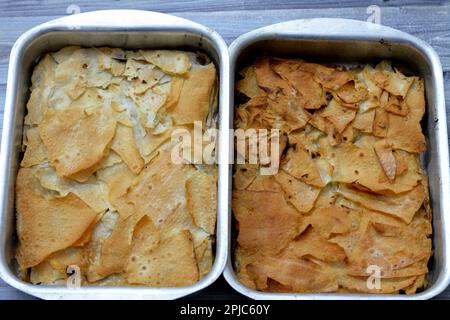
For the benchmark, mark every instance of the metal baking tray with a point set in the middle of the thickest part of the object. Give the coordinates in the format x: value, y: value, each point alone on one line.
x: 129, y: 29
x: 353, y: 42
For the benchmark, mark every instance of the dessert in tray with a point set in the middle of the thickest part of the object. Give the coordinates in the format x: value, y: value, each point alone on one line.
x: 97, y: 191
x: 348, y: 210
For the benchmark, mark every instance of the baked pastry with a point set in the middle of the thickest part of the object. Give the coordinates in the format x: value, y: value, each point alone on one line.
x: 97, y: 188
x: 348, y: 210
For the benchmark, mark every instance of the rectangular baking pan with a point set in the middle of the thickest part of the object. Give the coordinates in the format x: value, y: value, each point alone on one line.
x: 129, y: 29
x: 351, y: 42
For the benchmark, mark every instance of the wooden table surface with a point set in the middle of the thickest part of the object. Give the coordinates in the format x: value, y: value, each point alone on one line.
x: 428, y: 20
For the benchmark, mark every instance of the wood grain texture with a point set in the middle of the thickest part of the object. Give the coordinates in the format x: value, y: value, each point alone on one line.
x: 428, y: 20
x: 55, y: 7
x: 8, y: 293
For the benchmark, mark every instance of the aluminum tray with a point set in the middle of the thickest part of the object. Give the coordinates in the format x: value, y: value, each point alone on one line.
x: 118, y: 28
x: 349, y: 42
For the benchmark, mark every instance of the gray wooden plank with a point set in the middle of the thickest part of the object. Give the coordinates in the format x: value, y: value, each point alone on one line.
x: 9, y: 293
x: 429, y: 23
x: 445, y: 295
x: 2, y: 105
x: 55, y: 7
